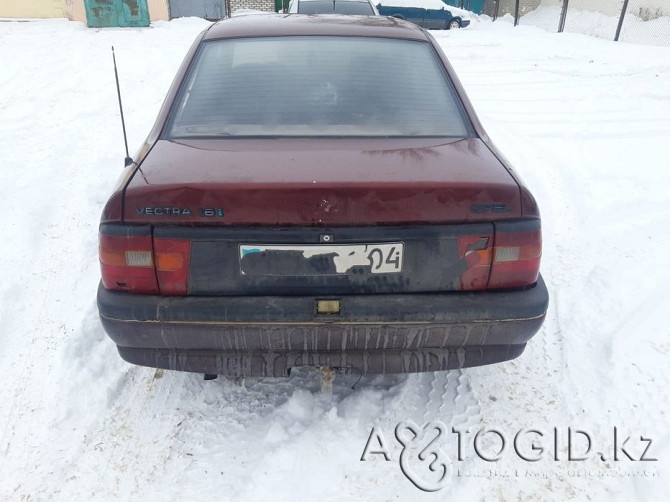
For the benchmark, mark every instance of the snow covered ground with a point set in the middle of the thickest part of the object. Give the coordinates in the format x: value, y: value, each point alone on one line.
x: 585, y: 121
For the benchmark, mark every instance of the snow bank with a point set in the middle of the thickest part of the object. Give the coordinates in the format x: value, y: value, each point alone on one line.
x: 589, y: 23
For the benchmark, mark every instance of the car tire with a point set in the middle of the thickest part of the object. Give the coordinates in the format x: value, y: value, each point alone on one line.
x: 454, y: 24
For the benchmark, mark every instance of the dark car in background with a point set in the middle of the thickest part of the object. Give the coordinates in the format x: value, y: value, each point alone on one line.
x: 318, y: 191
x: 431, y: 19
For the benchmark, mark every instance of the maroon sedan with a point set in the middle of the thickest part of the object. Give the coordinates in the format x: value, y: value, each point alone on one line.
x: 319, y: 192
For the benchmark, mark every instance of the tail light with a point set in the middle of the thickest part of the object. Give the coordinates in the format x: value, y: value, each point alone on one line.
x: 172, y: 262
x: 516, y: 254
x: 476, y: 251
x: 131, y: 261
x: 508, y: 259
x: 126, y: 259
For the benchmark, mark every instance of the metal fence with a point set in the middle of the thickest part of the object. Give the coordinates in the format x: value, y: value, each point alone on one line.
x: 637, y: 21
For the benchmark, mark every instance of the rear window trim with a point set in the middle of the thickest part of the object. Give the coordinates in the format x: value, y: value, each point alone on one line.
x: 471, y: 131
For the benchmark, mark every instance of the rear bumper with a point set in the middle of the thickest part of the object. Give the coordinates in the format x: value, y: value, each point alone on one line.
x: 268, y: 335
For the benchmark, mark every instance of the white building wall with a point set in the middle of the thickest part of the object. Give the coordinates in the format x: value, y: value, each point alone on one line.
x: 265, y: 5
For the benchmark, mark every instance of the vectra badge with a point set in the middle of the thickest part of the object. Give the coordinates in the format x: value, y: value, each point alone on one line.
x: 163, y: 211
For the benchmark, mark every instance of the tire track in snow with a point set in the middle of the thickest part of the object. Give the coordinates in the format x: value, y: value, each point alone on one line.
x: 451, y: 399
x: 131, y: 443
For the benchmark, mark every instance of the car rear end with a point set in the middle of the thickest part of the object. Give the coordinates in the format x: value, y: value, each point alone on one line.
x: 334, y: 227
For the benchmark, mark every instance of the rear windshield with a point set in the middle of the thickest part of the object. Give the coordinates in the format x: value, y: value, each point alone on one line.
x: 317, y: 86
x: 331, y: 7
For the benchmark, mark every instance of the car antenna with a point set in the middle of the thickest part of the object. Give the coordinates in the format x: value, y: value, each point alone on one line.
x: 128, y: 160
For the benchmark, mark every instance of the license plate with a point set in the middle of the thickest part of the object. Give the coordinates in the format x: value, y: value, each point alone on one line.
x: 320, y: 259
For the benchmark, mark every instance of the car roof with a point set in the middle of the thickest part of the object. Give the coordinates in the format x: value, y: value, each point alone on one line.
x: 273, y: 25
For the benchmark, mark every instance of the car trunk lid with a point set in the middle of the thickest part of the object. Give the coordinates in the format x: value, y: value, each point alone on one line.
x: 320, y: 182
